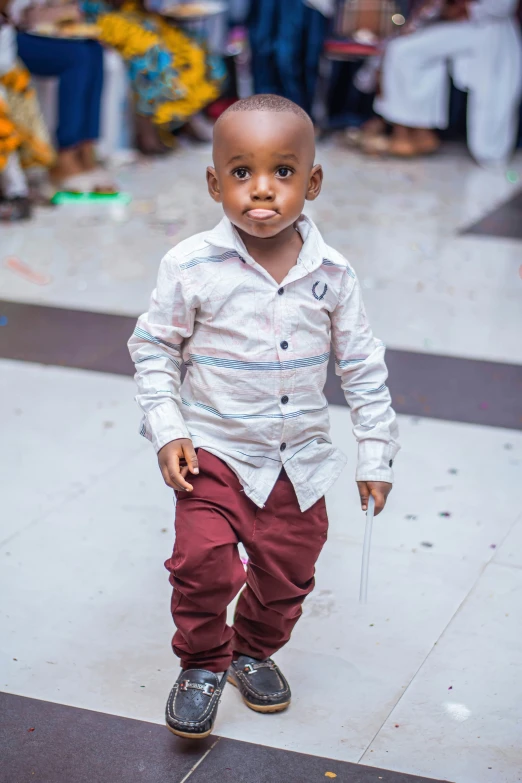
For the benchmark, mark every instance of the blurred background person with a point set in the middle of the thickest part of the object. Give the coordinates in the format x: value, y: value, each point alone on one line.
x: 287, y: 40
x: 172, y: 75
x: 24, y: 139
x: 480, y: 41
x: 78, y: 66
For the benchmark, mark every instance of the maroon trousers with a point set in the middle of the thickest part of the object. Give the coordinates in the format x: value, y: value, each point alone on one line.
x: 206, y: 572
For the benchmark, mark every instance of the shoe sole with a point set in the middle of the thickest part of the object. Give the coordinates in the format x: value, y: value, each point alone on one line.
x: 260, y: 707
x: 187, y: 734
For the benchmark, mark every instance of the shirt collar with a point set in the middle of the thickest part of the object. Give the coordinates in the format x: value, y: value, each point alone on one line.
x: 311, y: 256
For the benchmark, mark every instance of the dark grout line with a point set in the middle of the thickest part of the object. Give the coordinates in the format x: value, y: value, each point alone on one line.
x: 201, y: 760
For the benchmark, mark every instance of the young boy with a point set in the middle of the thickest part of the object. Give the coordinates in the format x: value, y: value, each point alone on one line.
x: 251, y: 309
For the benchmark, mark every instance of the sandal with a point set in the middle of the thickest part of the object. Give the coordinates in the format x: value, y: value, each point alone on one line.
x: 15, y: 209
x: 95, y: 181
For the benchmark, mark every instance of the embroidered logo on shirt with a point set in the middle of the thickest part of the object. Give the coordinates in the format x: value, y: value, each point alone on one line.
x: 314, y: 290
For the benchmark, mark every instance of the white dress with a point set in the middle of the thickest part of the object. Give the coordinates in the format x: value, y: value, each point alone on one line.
x: 483, y: 55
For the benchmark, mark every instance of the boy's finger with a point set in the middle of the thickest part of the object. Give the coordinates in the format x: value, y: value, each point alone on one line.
x: 380, y: 500
x: 175, y: 477
x: 180, y: 482
x: 165, y: 475
x: 191, y: 458
x: 364, y: 494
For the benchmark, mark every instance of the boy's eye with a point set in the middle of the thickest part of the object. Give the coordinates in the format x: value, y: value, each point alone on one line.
x: 284, y: 172
x: 241, y: 173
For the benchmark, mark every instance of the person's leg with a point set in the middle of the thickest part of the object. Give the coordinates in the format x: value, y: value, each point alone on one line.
x: 315, y: 27
x: 91, y: 129
x: 414, y: 78
x: 494, y: 96
x: 262, y: 31
x: 205, y: 568
x: 290, y: 50
x: 282, y: 554
x: 15, y: 203
x: 70, y: 62
x: 14, y: 181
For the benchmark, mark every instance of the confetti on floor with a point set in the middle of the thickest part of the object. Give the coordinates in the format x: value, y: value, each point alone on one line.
x: 444, y: 514
x: 3, y: 320
x: 330, y: 775
x: 427, y: 544
x: 453, y: 471
x: 411, y: 516
x: 25, y: 271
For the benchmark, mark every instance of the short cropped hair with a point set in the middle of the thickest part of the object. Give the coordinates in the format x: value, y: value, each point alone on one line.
x: 267, y: 102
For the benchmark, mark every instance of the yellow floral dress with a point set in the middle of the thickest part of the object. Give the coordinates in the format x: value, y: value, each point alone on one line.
x: 22, y: 127
x: 172, y: 74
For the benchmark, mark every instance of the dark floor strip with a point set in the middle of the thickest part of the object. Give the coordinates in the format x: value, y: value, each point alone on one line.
x: 505, y: 221
x: 440, y: 387
x: 66, y: 338
x: 44, y: 742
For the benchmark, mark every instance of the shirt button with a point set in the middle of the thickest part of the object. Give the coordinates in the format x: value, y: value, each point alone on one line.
x: 390, y: 463
x: 284, y: 399
x: 284, y: 345
x: 281, y: 291
x: 282, y: 447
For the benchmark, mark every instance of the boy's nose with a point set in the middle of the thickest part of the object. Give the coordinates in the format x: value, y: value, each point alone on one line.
x: 262, y: 190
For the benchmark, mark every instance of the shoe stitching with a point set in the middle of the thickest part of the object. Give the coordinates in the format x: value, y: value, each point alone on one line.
x: 206, y: 714
x: 192, y: 723
x: 257, y: 694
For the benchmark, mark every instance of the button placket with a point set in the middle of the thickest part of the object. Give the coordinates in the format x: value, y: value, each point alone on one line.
x: 284, y: 307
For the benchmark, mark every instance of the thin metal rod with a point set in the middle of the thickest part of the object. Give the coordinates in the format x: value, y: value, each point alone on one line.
x: 363, y: 593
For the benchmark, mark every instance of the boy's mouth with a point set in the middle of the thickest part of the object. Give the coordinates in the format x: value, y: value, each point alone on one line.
x: 261, y: 214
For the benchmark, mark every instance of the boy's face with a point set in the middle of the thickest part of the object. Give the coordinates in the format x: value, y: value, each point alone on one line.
x: 264, y: 170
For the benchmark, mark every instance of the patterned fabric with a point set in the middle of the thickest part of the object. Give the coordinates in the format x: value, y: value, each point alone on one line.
x: 172, y: 75
x: 373, y: 15
x: 256, y: 355
x: 22, y: 126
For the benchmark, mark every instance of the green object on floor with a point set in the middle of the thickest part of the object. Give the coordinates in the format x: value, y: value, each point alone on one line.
x: 67, y: 197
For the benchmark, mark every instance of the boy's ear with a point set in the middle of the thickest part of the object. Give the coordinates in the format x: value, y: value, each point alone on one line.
x: 315, y: 184
x: 213, y: 184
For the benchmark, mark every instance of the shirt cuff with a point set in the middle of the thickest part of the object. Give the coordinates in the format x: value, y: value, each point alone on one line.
x: 163, y: 424
x: 376, y: 460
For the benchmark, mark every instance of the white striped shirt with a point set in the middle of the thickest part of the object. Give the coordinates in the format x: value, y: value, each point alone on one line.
x: 256, y: 354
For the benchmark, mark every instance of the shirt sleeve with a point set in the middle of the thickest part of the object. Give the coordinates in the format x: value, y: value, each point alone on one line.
x: 359, y: 361
x: 487, y: 10
x: 156, y: 350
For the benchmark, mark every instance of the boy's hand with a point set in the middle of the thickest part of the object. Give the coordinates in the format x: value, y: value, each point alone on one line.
x: 176, y: 459
x: 380, y: 491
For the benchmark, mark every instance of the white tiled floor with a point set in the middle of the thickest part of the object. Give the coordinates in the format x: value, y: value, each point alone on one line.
x: 87, y: 616
x: 462, y: 713
x: 430, y: 667
x: 396, y: 221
